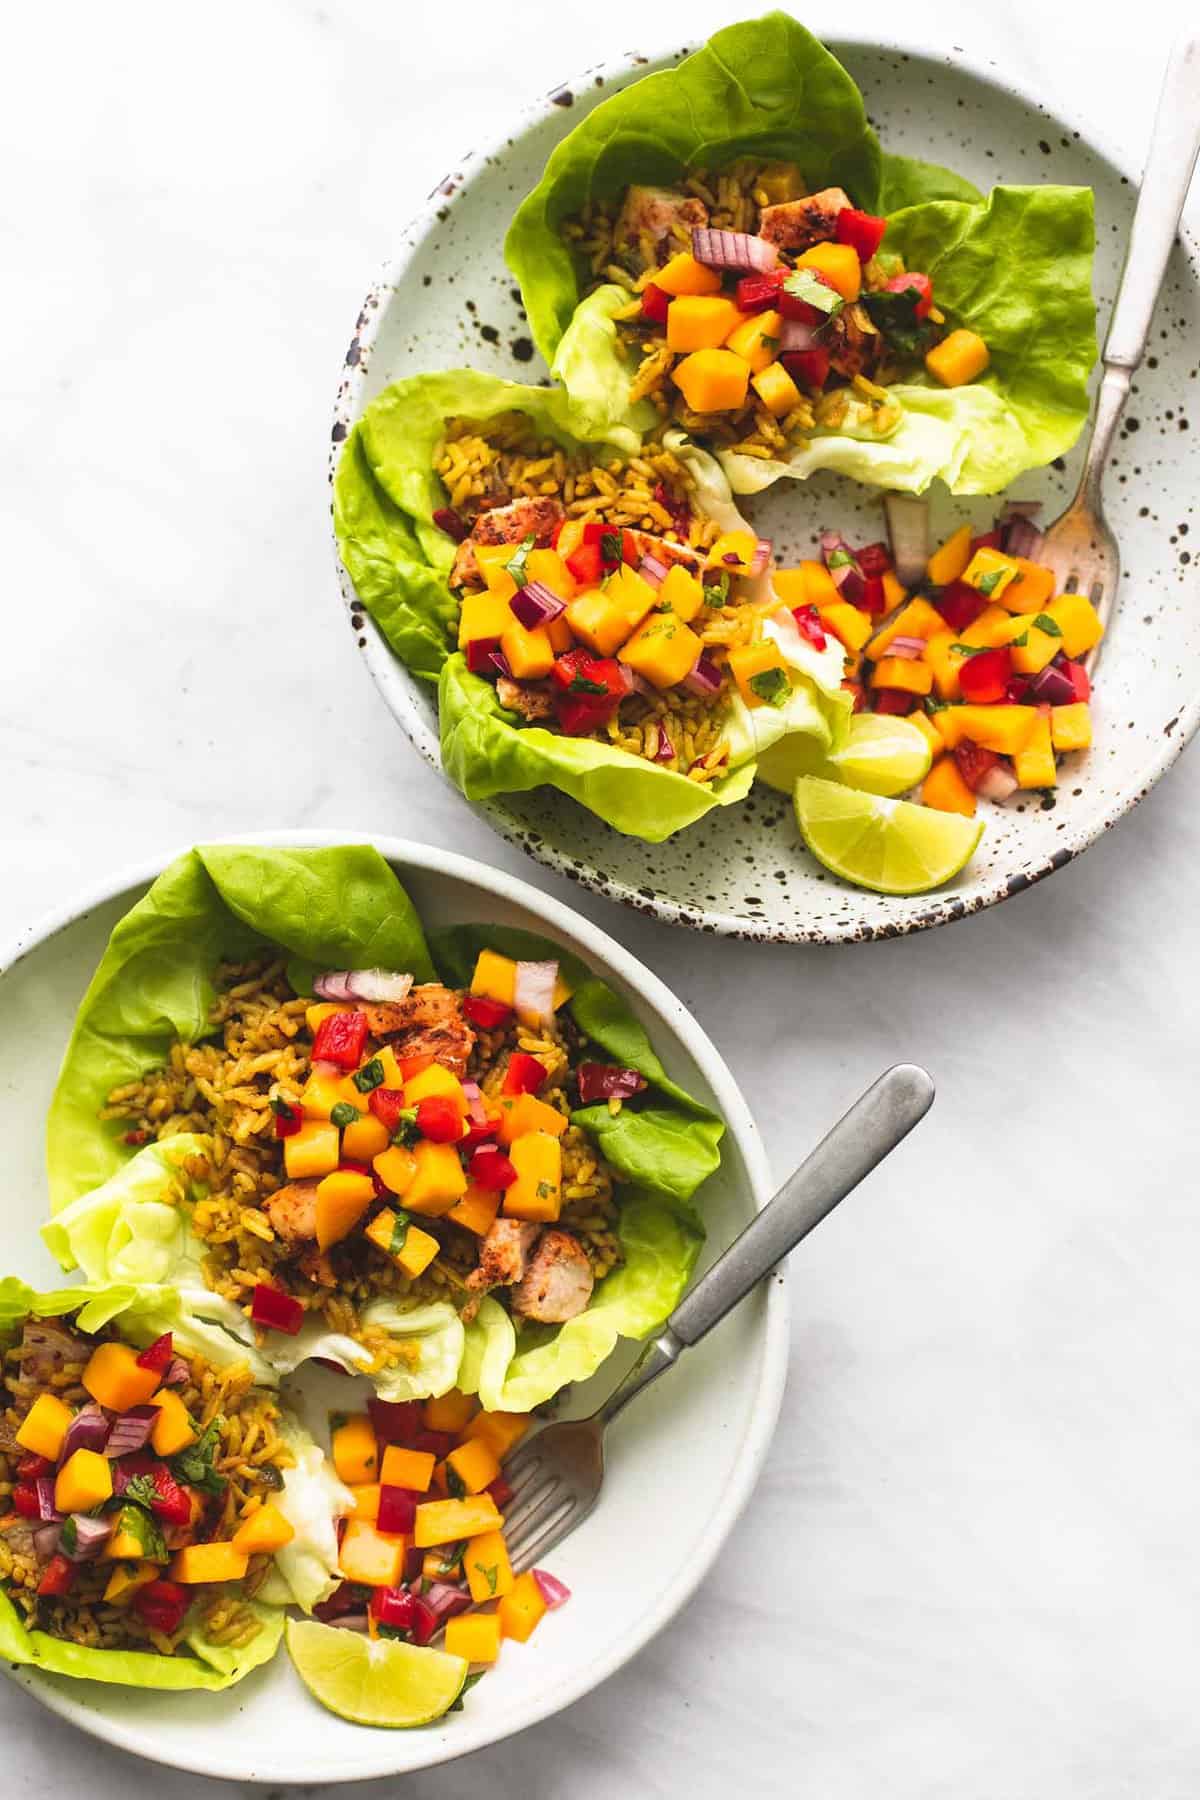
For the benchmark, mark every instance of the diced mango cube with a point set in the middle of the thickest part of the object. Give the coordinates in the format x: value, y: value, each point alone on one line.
x: 208, y: 1562
x: 312, y: 1151
x: 838, y: 263
x: 850, y: 626
x: 598, y: 622
x: 522, y: 1609
x: 322, y: 1092
x: 751, y: 661
x: 343, y: 1196
x: 1078, y: 621
x: 84, y: 1481
x: 477, y: 1209
x: 416, y: 1252
x: 407, y: 1468
x: 959, y: 358
x: 776, y: 389
x: 663, y: 649
x: 1004, y: 729
x: 445, y: 1521
x: 530, y: 654
x: 700, y: 322
x: 946, y: 664
x: 945, y: 789
x: 475, y: 1465
x: 494, y: 977
x: 928, y: 730
x: 712, y: 380
x: 994, y: 626
x: 682, y: 592
x: 951, y: 558
x: 173, y: 1429
x: 439, y: 1179
x: 452, y: 1411
x: 910, y: 675
x: 488, y: 1569
x: 1071, y: 726
x: 354, y: 1450
x: 434, y: 1082
x: 990, y: 572
x: 485, y: 615
x: 396, y: 1168
x: 682, y: 274
x: 1034, y: 764
x: 548, y: 567
x: 366, y: 1500
x: 520, y: 1113
x: 502, y: 1430
x: 1039, y: 648
x: 44, y: 1427
x: 370, y: 1556
x: 631, y: 592
x: 756, y: 338
x: 368, y: 1137
x: 474, y: 1636
x: 128, y: 1577
x: 263, y: 1532
x: 537, y: 1191
x: 1034, y: 585
x: 114, y: 1378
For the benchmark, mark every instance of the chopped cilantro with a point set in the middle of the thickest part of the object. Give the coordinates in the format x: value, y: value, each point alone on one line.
x: 806, y: 285
x: 452, y: 1554
x: 344, y: 1114
x: 406, y: 1127
x: 973, y: 649
x: 895, y: 315
x: 400, y: 1227
x: 716, y: 593
x: 840, y: 559
x: 466, y: 1687
x: 582, y: 684
x: 610, y: 547
x: 490, y: 1573
x: 281, y: 1109
x: 456, y: 1487
x: 516, y: 563
x: 545, y: 1190
x: 1050, y: 626
x: 987, y: 584
x: 195, y: 1464
x: 771, y: 685
x: 370, y: 1076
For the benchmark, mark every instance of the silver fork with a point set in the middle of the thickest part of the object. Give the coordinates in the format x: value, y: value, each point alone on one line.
x: 1080, y: 546
x: 558, y: 1475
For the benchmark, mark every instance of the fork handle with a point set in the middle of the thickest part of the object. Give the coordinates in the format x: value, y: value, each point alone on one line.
x: 1174, y: 145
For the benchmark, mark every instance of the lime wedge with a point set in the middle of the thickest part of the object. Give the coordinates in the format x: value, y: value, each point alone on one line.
x: 889, y: 846
x: 881, y: 755
x: 382, y: 1683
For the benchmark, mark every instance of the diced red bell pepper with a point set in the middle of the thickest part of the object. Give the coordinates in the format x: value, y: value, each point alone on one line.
x: 655, y: 301
x: 524, y: 1074
x: 387, y: 1104
x: 757, y: 293
x: 855, y: 690
x: 171, y: 1502
x: 162, y: 1605
x: 487, y: 1014
x: 31, y: 1466
x: 393, y: 1606
x: 631, y: 552
x: 481, y: 657
x: 57, y: 1577
x: 586, y: 565
x: 864, y: 231
x: 873, y: 598
x: 397, y: 1509
x: 974, y: 763
x: 892, y: 700
x: 874, y: 559
x: 439, y: 1444
x: 579, y: 714
x: 452, y: 523
x: 288, y: 1120
x: 136, y: 1136
x: 500, y: 1491
x: 25, y: 1495
x: 579, y: 665
x: 808, y: 623
x: 157, y: 1356
x: 395, y: 1421
x: 987, y: 540
x: 340, y: 1039
x: 491, y: 1169
x: 439, y: 1119
x: 276, y: 1311
x: 808, y: 366
x: 984, y: 678
x: 1078, y: 676
x: 901, y: 284
x: 424, y: 1620
x: 960, y: 605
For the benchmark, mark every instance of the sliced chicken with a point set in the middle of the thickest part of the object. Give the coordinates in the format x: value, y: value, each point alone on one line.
x: 799, y: 224
x: 429, y: 1022
x: 666, y: 551
x: 852, y: 350
x: 535, y: 516
x: 502, y: 1254
x: 316, y: 1267
x: 558, y: 1282
x: 532, y: 699
x: 292, y: 1211
x: 654, y: 213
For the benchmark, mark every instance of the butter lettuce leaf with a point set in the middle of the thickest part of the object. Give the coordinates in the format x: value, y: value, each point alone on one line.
x: 765, y: 87
x: 907, y: 181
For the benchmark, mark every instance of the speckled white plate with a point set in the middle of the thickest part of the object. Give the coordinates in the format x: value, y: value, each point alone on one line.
x: 695, y: 1443
x: 448, y: 299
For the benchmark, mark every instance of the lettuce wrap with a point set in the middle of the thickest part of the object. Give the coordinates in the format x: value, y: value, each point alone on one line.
x: 123, y: 1214
x: 1014, y: 268
x: 385, y: 496
x: 311, y: 1499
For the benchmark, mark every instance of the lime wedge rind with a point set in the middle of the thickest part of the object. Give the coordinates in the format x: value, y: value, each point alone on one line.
x: 382, y: 1682
x: 888, y: 846
x: 881, y: 755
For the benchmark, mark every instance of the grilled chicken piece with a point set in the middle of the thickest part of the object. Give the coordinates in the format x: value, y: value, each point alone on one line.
x: 653, y: 212
x: 532, y: 699
x: 315, y: 1266
x: 666, y: 551
x: 292, y: 1211
x: 428, y: 1022
x: 852, y: 351
x: 47, y: 1348
x: 535, y: 516
x: 798, y: 224
x: 558, y: 1282
x: 502, y: 1254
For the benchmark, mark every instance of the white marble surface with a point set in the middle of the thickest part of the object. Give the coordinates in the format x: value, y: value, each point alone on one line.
x: 970, y: 1568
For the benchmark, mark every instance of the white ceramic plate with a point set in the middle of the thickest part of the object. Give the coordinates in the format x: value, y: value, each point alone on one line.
x: 684, y: 1458
x: 447, y: 299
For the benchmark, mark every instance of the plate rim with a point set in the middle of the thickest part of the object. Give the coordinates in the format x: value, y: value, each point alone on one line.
x: 391, y: 678
x: 773, y: 1337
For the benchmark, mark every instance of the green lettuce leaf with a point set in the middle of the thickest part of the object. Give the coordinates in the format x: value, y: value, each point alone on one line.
x: 341, y: 908
x: 592, y: 372
x: 764, y: 87
x: 907, y: 181
x: 140, y: 1312
x: 312, y: 1500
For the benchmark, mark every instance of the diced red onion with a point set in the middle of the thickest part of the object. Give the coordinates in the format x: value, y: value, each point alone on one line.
x: 48, y: 1513
x: 831, y: 541
x: 131, y: 1431
x: 704, y: 677
x: 761, y: 557
x: 45, y: 1541
x: 535, y: 605
x: 373, y: 985
x: 639, y: 685
x: 907, y: 648
x: 850, y: 582
x: 88, y: 1430
x: 351, y: 1622
x: 733, y: 250
x: 652, y: 570
x: 91, y: 1535
x: 553, y: 1591
x: 607, y: 1081
x: 446, y: 1599
x: 908, y: 533
x: 998, y: 783
x: 476, y: 1110
x: 1052, y: 686
x: 1019, y: 536
x: 666, y: 749
x: 533, y: 992
x: 796, y: 336
x: 176, y: 1373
